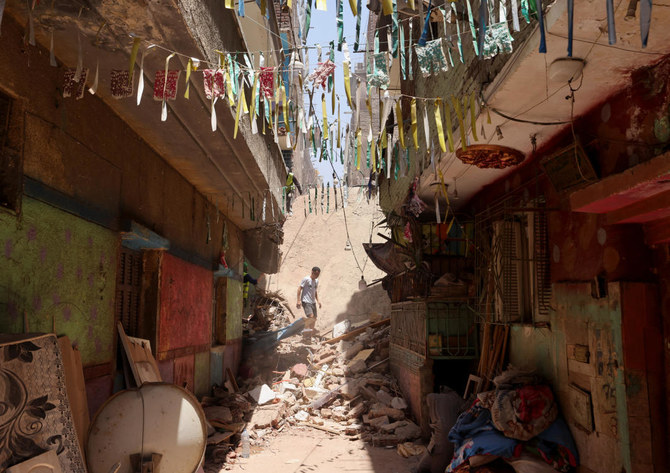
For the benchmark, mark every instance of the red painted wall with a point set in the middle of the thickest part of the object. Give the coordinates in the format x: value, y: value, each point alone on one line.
x: 185, y: 305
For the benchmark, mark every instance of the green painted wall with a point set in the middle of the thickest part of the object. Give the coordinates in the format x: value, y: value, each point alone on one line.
x: 201, y: 374
x: 60, y: 271
x: 234, y: 310
x: 579, y: 319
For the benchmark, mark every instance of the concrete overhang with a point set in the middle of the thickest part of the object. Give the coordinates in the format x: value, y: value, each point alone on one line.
x: 223, y: 168
x: 524, y: 92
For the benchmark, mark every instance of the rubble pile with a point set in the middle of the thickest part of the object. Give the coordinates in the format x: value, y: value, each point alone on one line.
x: 341, y: 386
x: 270, y: 311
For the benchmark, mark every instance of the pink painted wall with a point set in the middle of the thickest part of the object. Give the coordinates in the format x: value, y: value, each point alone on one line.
x: 185, y: 306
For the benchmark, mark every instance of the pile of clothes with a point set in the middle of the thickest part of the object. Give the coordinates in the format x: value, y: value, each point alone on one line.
x: 517, y: 423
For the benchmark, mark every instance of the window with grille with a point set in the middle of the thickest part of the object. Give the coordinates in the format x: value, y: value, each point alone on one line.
x: 10, y: 160
x: 128, y: 289
x: 513, y: 266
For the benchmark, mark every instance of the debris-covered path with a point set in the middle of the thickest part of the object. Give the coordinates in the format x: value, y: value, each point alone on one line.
x: 303, y: 450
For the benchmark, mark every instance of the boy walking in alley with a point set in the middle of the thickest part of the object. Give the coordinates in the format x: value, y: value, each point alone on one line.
x: 308, y: 297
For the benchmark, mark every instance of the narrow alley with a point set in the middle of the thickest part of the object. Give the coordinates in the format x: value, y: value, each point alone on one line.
x: 419, y: 236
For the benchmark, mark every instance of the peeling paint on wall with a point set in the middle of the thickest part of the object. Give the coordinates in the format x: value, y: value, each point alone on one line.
x: 59, y: 272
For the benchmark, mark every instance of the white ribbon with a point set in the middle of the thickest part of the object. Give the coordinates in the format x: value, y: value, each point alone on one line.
x: 94, y: 88
x: 140, y: 83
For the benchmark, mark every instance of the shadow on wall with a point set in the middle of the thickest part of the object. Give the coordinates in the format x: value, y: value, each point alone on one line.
x: 364, y: 303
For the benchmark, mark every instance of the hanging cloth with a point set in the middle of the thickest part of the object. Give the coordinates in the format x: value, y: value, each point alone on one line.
x: 409, y: 58
x: 431, y: 58
x: 438, y: 125
x: 645, y: 20
x: 403, y: 59
x: 308, y: 20
x: 447, y: 120
x: 611, y: 30
x: 571, y: 22
x: 458, y: 32
x: 394, y: 30
x: 414, y: 126
x: 540, y: 18
x: 472, y: 27
x: 426, y: 26
x: 398, y: 119
x: 482, y: 25
x: 358, y: 24
x: 340, y: 24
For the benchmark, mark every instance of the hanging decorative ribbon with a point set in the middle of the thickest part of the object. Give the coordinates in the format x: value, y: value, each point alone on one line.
x: 308, y: 20
x: 571, y: 22
x: 473, y: 120
x: 611, y: 30
x: 540, y: 19
x: 133, y: 57
x: 403, y: 60
x: 398, y: 119
x: 459, y: 116
x: 415, y: 135
x: 426, y: 26
x: 515, y: 16
x: 94, y: 88
x: 645, y: 20
x: 325, y: 116
x: 358, y: 24
x: 340, y: 24
x: 394, y: 30
x: 438, y: 125
x: 447, y: 119
x: 471, y: 19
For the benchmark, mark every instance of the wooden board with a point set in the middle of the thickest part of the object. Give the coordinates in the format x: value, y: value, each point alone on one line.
x: 76, y: 388
x: 580, y: 407
x: 142, y: 363
x: 358, y: 331
x: 362, y: 355
x: 44, y: 463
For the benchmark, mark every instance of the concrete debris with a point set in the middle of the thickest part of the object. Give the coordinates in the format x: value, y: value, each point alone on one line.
x: 342, y: 388
x: 262, y: 394
x: 341, y: 328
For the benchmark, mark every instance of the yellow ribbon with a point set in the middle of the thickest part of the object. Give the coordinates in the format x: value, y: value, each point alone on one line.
x: 321, y: 5
x: 373, y: 155
x: 415, y: 133
x: 411, y: 5
x: 347, y: 85
x: 358, y: 145
x: 230, y: 4
x: 438, y: 125
x: 263, y: 8
x: 447, y: 118
x: 401, y: 131
x: 461, y: 124
x: 284, y: 100
x: 240, y: 105
x: 387, y: 5
x: 289, y: 4
x: 189, y: 68
x: 325, y: 116
x: 133, y: 57
x: 338, y: 124
x: 229, y: 88
x: 473, y: 119
x: 352, y: 4
x: 252, y: 115
x: 332, y: 98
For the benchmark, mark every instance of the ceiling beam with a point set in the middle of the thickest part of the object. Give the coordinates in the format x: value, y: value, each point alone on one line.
x: 642, y: 211
x: 623, y: 189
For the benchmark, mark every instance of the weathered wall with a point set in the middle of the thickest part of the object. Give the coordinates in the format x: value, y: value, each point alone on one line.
x: 58, y: 273
x: 595, y: 323
x: 319, y: 240
x: 186, y: 306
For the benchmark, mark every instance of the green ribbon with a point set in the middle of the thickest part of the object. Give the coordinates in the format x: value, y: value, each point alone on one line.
x: 396, y: 155
x: 369, y: 153
x: 328, y: 198
x: 394, y: 30
x: 358, y: 24
x: 402, y: 53
x: 409, y: 60
x: 308, y: 20
x: 458, y: 32
x: 472, y: 27
x: 340, y: 24
x: 309, y: 199
x: 331, y: 56
x: 525, y: 10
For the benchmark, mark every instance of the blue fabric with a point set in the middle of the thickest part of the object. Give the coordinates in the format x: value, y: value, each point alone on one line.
x: 557, y: 445
x: 645, y: 20
x: 482, y: 26
x: 571, y: 15
x: 426, y: 26
x: 611, y: 30
x: 540, y: 17
x: 474, y: 434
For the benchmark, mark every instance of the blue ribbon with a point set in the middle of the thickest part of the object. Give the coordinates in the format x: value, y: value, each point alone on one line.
x: 571, y: 12
x: 540, y: 18
x: 482, y: 26
x: 611, y: 30
x: 426, y: 26
x: 645, y: 20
